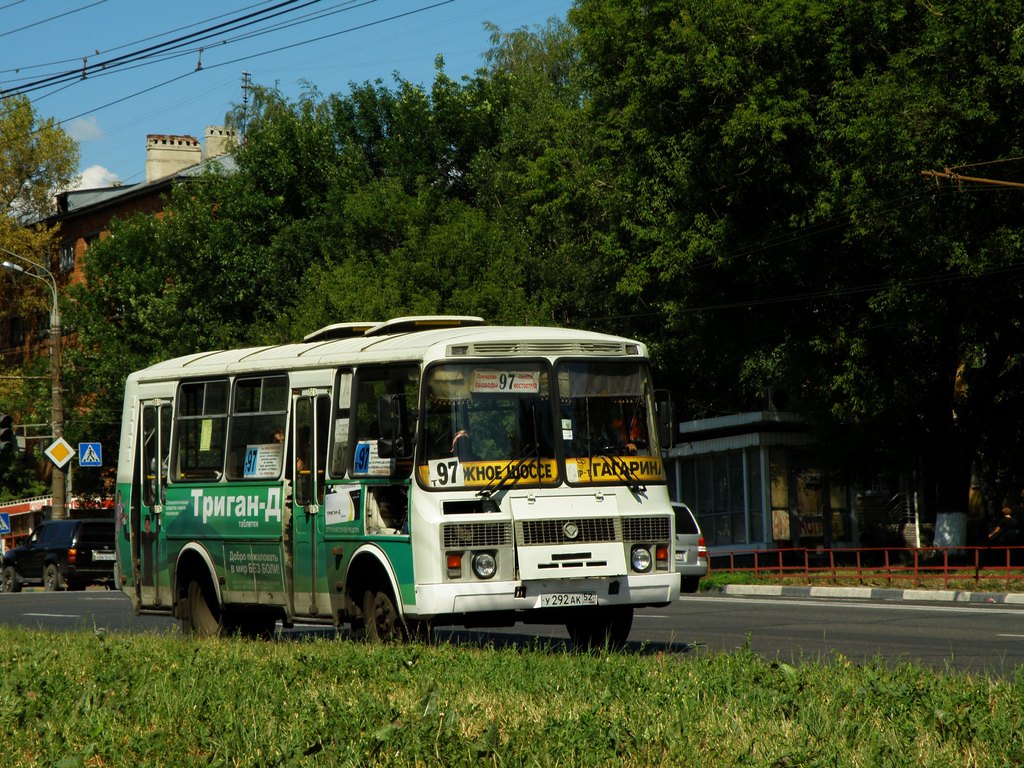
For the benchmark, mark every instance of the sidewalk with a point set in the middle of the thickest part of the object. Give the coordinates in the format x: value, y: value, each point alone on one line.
x: 876, y: 593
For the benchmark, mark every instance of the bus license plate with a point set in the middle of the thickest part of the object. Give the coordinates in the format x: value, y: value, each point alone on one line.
x: 567, y: 599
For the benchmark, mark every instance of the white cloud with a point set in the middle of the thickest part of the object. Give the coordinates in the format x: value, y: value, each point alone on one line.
x: 95, y: 177
x: 84, y: 129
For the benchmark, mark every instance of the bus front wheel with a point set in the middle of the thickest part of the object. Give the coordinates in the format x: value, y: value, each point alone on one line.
x: 381, y: 620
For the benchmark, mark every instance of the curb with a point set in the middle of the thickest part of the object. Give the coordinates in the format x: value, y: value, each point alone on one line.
x: 875, y: 593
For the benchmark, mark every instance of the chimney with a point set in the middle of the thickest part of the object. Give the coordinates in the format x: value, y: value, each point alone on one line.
x: 220, y: 140
x: 166, y: 155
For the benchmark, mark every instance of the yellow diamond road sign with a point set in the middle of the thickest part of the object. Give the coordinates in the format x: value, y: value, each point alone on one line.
x: 60, y: 452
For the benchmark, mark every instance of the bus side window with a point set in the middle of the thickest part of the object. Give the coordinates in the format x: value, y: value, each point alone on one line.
x: 372, y: 384
x: 156, y: 444
x: 259, y: 410
x: 342, y: 421
x: 202, y: 426
x: 387, y: 509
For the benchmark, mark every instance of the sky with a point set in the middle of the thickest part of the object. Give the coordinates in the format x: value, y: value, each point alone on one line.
x: 146, y: 87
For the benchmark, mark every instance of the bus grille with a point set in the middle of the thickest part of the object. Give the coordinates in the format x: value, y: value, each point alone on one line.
x: 645, y: 529
x: 477, y: 534
x: 557, y: 531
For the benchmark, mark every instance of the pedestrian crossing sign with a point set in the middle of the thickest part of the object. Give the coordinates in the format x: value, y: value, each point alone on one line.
x: 90, y: 455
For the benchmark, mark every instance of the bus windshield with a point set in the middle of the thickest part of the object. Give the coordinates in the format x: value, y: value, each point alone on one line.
x: 490, y: 426
x: 605, y: 412
x: 485, y: 422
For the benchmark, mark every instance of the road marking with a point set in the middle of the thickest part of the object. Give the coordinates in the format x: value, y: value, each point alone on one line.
x: 1005, y: 634
x: 55, y: 615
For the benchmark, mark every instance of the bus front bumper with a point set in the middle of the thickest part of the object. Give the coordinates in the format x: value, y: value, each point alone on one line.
x: 538, y: 597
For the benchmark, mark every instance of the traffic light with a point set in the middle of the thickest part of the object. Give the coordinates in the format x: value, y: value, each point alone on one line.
x: 7, y: 442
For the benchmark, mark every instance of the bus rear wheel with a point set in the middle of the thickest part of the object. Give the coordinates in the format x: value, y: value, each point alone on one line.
x: 203, y: 617
x: 601, y: 628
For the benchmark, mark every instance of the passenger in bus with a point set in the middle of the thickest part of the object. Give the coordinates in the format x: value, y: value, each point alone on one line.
x: 461, y: 445
x: 625, y: 438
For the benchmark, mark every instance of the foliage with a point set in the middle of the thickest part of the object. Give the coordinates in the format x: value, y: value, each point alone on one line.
x: 360, y: 206
x: 19, y: 478
x: 771, y: 204
x: 737, y: 183
x: 144, y: 700
x: 37, y: 158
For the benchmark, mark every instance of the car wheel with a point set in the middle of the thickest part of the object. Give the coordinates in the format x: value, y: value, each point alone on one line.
x: 689, y: 583
x: 51, y: 578
x: 9, y: 581
x: 203, y: 616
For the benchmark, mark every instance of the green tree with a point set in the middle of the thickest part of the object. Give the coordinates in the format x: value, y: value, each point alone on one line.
x: 36, y: 160
x: 770, y: 204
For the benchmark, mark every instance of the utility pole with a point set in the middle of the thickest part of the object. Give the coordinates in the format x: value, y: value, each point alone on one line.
x: 57, y: 484
x: 246, y: 87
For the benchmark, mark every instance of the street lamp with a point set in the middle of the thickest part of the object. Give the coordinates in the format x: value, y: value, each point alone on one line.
x: 56, y: 390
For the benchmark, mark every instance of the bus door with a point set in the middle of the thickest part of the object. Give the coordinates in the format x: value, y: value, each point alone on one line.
x: 149, y: 495
x: 311, y: 425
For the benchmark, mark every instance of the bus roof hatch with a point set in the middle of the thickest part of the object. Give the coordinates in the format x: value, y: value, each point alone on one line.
x: 413, y: 324
x: 339, y: 331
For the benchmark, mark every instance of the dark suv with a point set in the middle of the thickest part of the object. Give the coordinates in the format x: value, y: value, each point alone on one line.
x: 59, y: 553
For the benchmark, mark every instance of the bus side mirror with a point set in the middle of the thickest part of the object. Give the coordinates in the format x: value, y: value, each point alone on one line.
x: 666, y: 414
x: 393, y: 417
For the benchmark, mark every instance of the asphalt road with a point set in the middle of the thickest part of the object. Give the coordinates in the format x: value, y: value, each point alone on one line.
x: 946, y: 636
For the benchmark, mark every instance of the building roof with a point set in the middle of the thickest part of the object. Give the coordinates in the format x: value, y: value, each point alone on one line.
x: 79, y: 201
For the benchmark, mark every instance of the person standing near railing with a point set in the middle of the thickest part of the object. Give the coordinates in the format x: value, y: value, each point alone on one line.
x: 1007, y: 530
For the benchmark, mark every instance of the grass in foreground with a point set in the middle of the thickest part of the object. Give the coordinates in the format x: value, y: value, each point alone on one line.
x: 96, y: 700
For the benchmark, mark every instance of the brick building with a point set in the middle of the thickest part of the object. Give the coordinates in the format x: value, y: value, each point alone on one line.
x: 84, y: 216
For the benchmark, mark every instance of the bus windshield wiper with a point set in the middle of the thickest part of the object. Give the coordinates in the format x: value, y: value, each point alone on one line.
x: 621, y: 469
x: 517, y: 462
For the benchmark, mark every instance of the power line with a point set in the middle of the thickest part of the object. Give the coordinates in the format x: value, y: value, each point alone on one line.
x: 248, y: 57
x: 153, y: 50
x: 51, y: 18
x: 125, y: 45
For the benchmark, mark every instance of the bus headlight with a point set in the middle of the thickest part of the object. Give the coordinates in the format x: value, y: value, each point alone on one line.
x: 484, y: 565
x: 641, y: 559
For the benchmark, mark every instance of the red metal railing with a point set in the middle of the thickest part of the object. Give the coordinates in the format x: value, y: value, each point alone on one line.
x: 931, y: 565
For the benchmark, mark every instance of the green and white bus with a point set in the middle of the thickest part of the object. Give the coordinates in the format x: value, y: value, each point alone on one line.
x: 393, y: 476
